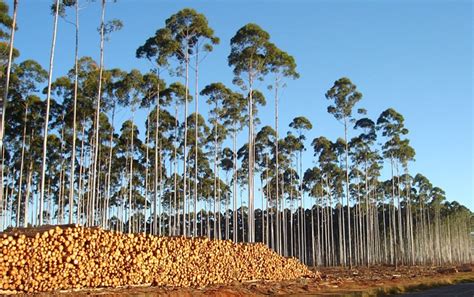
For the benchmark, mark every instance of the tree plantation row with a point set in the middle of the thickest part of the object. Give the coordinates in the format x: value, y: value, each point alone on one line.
x: 65, y: 159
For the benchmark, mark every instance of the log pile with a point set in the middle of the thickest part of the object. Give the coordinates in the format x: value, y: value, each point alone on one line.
x: 72, y: 257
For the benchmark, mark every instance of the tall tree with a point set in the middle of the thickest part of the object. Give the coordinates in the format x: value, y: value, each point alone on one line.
x: 9, y: 23
x: 46, y: 122
x: 235, y: 115
x: 282, y: 65
x: 63, y: 5
x: 345, y: 95
x: 301, y: 125
x: 157, y: 49
x: 104, y: 30
x: 249, y: 55
x: 130, y: 93
x: 391, y: 123
x: 364, y: 154
x: 191, y: 33
x: 25, y: 81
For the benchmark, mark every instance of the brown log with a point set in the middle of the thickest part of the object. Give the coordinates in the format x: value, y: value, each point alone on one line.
x: 51, y: 258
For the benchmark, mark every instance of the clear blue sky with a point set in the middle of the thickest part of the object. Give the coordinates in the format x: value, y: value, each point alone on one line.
x: 414, y: 56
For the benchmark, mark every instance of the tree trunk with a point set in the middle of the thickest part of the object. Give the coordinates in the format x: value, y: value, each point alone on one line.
x: 73, y: 156
x: 27, y: 196
x: 234, y: 191
x: 185, y: 212
x: 157, y: 169
x: 349, y: 241
x: 20, y: 187
x: 251, y: 163
x: 196, y: 130
x: 3, y: 103
x: 147, y: 160
x: 130, y: 189
x: 97, y: 111
x: 46, y: 121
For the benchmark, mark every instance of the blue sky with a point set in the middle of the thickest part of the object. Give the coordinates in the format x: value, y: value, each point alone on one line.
x: 414, y: 56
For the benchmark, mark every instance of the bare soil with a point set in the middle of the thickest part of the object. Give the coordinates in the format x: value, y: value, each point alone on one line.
x: 336, y: 281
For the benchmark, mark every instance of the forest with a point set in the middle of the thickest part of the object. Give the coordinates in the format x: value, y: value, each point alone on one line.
x: 66, y: 159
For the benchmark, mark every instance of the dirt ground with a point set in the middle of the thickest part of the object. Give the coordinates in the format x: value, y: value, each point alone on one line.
x: 335, y: 281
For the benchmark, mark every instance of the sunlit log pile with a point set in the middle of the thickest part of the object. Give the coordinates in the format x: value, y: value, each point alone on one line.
x: 73, y: 257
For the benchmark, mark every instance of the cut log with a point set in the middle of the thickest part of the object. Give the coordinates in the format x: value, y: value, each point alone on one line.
x: 51, y: 258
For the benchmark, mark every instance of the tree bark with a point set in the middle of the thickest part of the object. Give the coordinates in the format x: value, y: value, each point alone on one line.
x: 46, y: 121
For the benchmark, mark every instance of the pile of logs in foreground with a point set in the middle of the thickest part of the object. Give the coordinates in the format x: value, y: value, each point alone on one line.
x: 72, y: 257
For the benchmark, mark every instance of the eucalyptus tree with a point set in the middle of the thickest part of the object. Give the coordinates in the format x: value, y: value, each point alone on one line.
x: 281, y: 65
x: 227, y: 164
x: 157, y: 50
x: 250, y: 55
x: 105, y: 29
x: 437, y: 197
x: 364, y: 154
x: 130, y: 92
x: 5, y: 36
x: 177, y: 95
x: 190, y: 33
x: 345, y: 95
x: 326, y: 153
x: 152, y: 87
x: 289, y: 146
x: 301, y: 125
x: 79, y: 108
x: 313, y: 184
x: 133, y: 155
x: 112, y: 89
x: 235, y: 117
x: 218, y: 94
x: 46, y: 122
x: 406, y: 153
x: 243, y: 153
x: 264, y: 154
x: 423, y: 189
x: 163, y: 150
x: 391, y: 123
x: 26, y: 78
x: 203, y: 137
x: 10, y: 23
x: 64, y: 87
x: 63, y: 5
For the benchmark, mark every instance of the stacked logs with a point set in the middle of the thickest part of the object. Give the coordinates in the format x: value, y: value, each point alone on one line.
x: 73, y: 257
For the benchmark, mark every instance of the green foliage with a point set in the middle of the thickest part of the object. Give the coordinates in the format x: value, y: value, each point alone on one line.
x: 345, y: 95
x: 249, y: 51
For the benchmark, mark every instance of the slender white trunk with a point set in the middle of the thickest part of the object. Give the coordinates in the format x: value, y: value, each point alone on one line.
x: 3, y: 103
x: 185, y: 233
x: 196, y: 130
x: 277, y: 163
x: 81, y: 176
x: 175, y: 167
x: 20, y: 187
x: 215, y: 175
x: 251, y: 153
x: 46, y: 120
x: 347, y: 196
x: 109, y: 171
x: 73, y: 155
x: 234, y: 191
x: 130, y: 179
x: 27, y: 196
x: 157, y: 168
x: 147, y: 161
x: 97, y: 111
